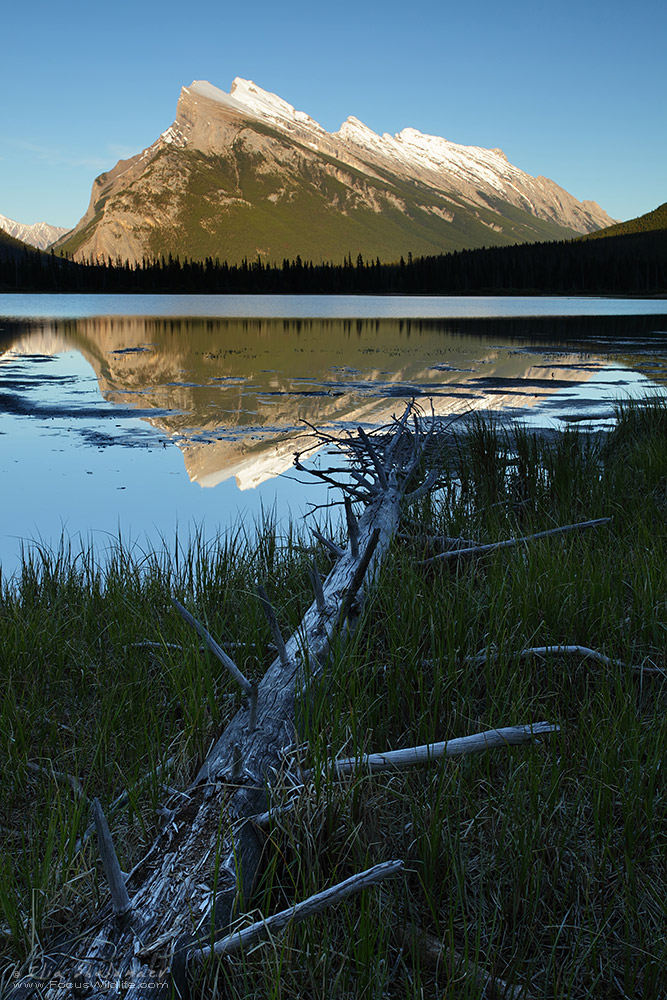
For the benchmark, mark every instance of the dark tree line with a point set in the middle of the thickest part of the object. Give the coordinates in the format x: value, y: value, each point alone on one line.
x: 628, y: 265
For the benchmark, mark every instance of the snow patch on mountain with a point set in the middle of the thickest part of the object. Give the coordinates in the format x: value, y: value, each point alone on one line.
x: 173, y: 137
x: 434, y: 154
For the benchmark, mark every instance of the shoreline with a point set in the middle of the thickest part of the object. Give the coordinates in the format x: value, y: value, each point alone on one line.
x: 104, y: 682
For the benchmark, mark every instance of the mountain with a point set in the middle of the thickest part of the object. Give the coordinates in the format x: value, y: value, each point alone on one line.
x: 40, y: 235
x: 25, y: 268
x: 13, y: 249
x: 10, y: 247
x: 245, y: 175
x: 650, y: 222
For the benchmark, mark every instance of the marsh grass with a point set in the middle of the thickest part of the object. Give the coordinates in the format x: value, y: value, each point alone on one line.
x: 542, y: 865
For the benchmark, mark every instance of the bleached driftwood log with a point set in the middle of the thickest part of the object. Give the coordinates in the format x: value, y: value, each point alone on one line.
x: 194, y: 880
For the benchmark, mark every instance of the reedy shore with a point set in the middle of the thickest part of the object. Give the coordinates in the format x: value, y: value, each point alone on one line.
x: 539, y: 867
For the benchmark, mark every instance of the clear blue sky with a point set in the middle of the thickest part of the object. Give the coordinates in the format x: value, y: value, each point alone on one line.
x: 576, y: 91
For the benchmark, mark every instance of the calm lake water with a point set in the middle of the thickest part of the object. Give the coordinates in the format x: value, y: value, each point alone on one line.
x: 151, y: 415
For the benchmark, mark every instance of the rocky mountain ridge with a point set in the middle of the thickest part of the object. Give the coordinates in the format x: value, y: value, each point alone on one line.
x: 244, y: 174
x: 40, y: 234
x: 470, y: 170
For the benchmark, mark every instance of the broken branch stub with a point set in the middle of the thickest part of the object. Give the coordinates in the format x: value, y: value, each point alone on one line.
x: 335, y: 550
x: 360, y: 570
x: 373, y: 455
x: 272, y: 620
x: 217, y: 650
x: 352, y: 526
x: 316, y: 580
x: 120, y: 899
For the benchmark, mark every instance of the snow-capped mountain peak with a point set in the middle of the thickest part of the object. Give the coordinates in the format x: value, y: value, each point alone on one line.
x: 246, y: 96
x: 263, y: 102
x: 40, y: 235
x: 354, y: 130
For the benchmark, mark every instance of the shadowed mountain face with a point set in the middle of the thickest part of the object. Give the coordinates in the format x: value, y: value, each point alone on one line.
x: 238, y: 396
x: 245, y: 175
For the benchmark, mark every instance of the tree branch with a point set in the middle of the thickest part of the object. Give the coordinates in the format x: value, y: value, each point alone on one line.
x: 217, y: 651
x: 249, y: 936
x: 428, y: 753
x: 481, y: 549
x: 479, y: 659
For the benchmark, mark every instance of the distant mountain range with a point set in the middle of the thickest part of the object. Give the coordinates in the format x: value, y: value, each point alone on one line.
x: 11, y: 248
x: 40, y: 235
x: 244, y: 175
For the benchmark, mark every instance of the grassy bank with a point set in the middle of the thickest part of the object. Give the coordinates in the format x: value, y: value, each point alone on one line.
x: 542, y: 866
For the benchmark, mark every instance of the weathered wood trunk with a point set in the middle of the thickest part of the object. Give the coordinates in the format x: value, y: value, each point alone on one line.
x: 196, y: 876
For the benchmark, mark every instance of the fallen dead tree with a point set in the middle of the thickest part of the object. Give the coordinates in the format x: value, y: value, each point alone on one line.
x: 194, y: 879
x: 194, y: 882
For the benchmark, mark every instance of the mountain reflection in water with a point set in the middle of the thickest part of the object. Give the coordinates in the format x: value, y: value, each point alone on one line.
x: 234, y: 394
x: 237, y: 395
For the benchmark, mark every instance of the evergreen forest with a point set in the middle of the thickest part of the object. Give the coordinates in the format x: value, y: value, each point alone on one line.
x: 626, y: 264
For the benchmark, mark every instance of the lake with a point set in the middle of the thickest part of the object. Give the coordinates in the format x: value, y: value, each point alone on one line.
x: 153, y: 416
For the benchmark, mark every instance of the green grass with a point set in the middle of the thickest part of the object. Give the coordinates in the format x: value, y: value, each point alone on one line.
x: 542, y: 865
